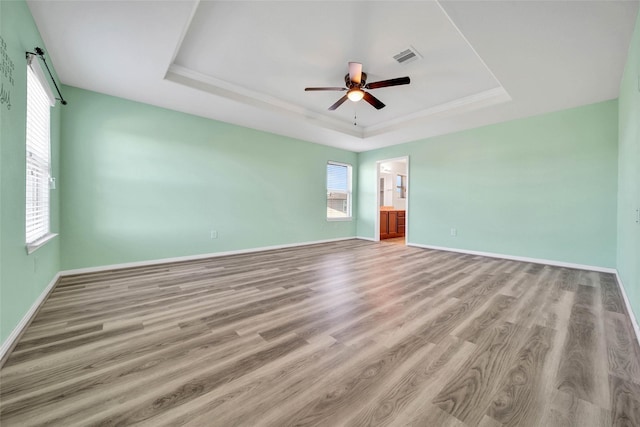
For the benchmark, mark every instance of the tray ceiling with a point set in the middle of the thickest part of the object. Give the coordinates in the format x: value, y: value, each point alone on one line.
x: 248, y: 62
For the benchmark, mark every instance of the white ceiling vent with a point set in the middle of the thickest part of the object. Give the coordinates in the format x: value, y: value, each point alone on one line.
x: 408, y: 55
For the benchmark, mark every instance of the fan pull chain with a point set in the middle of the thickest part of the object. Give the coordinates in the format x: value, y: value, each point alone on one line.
x: 355, y: 119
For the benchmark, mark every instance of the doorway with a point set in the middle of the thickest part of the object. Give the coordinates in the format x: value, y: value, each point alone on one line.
x: 392, y: 200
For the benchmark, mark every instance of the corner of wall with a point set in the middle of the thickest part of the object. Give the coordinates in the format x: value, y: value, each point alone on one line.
x: 628, y: 197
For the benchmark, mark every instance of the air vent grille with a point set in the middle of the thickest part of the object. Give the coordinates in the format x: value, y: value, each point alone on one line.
x: 407, y: 55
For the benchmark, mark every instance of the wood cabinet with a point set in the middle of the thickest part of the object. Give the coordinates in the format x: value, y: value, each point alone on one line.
x: 392, y: 224
x: 384, y: 224
x: 401, y: 225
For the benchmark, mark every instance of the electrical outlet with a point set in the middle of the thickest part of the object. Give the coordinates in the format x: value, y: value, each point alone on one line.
x: 214, y: 234
x: 454, y: 232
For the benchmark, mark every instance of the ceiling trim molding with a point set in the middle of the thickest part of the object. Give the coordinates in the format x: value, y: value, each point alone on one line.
x: 466, y: 40
x: 458, y: 106
x: 196, y: 80
x: 183, y: 34
x: 185, y: 76
x: 199, y: 81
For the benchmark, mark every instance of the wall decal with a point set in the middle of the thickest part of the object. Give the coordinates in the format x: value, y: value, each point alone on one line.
x: 7, y: 67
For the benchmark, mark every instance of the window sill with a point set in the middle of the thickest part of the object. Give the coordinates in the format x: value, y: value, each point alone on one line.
x: 340, y: 219
x: 34, y: 246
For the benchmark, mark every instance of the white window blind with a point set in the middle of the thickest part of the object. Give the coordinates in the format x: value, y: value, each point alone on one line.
x: 39, y: 102
x: 338, y: 190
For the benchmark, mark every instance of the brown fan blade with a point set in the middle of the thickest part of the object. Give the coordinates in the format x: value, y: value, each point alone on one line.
x: 308, y: 89
x: 373, y: 101
x: 391, y: 82
x: 355, y: 72
x: 338, y: 103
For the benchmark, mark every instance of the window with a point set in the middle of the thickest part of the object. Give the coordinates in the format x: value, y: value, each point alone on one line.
x: 39, y: 102
x: 338, y: 191
x: 401, y: 186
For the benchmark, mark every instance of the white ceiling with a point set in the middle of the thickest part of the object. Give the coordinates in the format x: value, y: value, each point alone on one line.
x: 248, y: 62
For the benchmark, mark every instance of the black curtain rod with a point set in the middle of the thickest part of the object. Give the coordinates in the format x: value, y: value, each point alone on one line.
x: 39, y: 52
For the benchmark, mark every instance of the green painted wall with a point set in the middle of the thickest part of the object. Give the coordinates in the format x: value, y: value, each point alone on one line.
x: 541, y: 187
x: 629, y: 174
x: 143, y: 183
x: 22, y: 277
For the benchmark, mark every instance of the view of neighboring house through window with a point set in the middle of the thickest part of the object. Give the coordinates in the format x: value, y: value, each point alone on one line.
x: 39, y: 102
x: 338, y: 190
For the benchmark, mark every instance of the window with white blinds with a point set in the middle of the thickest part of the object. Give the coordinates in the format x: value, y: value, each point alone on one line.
x: 338, y: 191
x: 38, y: 157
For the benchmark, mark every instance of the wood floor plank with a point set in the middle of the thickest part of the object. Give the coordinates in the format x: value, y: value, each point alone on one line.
x: 293, y: 392
x: 581, y: 368
x: 392, y: 404
x: 437, y: 329
x: 622, y: 354
x: 552, y: 307
x: 468, y: 394
x: 133, y: 372
x: 343, y: 333
x: 196, y: 387
x: 77, y: 340
x: 494, y: 311
x: 343, y: 397
x: 564, y: 409
x: 519, y: 400
x: 434, y: 416
x: 26, y: 344
x: 611, y: 296
x: 625, y: 402
x: 531, y: 304
x: 240, y: 392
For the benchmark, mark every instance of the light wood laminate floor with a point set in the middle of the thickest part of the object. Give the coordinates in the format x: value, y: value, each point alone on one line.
x: 347, y: 333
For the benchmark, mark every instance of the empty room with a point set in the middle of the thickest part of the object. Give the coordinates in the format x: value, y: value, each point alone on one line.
x: 331, y: 213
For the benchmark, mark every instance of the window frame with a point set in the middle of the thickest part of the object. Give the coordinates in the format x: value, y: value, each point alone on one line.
x: 37, y: 190
x: 349, y: 191
x: 402, y: 188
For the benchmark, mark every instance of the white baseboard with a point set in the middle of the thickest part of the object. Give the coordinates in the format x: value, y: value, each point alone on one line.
x: 13, y: 337
x: 195, y: 257
x: 520, y: 258
x: 371, y: 239
x: 627, y: 303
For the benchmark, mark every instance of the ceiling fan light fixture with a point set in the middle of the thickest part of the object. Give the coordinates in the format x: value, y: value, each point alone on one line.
x: 355, y: 95
x: 354, y: 82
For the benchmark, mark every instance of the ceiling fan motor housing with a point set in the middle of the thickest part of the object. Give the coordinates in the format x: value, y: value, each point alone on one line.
x: 351, y: 85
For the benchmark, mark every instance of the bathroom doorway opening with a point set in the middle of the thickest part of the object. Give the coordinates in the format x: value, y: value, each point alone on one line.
x: 392, y: 201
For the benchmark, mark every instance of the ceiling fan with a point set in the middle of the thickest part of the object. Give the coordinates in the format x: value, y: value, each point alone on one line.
x: 355, y: 82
